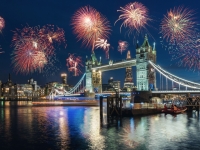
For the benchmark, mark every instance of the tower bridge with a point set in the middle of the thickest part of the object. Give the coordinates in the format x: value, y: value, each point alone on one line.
x: 145, y: 74
x: 146, y: 69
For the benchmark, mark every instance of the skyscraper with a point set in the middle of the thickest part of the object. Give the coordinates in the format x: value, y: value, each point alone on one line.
x: 64, y: 78
x: 128, y: 83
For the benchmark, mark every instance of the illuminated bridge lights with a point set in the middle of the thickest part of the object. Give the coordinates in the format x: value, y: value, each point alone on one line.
x: 117, y: 65
x: 174, y: 78
x: 176, y: 92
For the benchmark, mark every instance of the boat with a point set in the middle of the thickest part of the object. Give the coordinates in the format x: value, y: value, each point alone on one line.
x: 171, y: 111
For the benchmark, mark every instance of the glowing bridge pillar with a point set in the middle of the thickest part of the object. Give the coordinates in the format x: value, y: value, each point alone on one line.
x: 89, y: 86
x: 93, y: 77
x: 146, y: 75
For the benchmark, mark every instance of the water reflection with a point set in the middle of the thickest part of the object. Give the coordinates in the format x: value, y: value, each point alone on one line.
x: 79, y: 128
x: 64, y: 131
x: 91, y: 129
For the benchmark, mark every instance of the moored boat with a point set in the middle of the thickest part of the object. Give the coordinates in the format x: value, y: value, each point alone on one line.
x: 172, y: 111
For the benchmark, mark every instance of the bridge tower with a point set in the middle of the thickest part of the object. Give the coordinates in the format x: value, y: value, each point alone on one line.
x: 146, y: 76
x: 128, y: 83
x: 93, y: 77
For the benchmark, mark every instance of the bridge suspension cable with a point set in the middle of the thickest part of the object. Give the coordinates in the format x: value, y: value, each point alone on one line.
x: 77, y: 85
x: 175, y: 79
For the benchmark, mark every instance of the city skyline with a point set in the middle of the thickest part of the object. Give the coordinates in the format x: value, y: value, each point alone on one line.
x: 37, y: 13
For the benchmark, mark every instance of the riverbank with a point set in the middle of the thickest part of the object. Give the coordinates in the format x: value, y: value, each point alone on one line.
x: 49, y: 103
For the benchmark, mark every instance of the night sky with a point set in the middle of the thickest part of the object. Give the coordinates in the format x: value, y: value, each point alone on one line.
x: 18, y: 14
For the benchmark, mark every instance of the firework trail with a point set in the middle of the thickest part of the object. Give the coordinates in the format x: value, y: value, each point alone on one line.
x: 2, y: 23
x: 134, y: 16
x: 122, y: 46
x: 89, y: 25
x: 178, y: 26
x: 74, y: 64
x: 102, y: 43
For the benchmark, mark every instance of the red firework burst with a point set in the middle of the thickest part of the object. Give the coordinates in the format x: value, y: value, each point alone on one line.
x: 2, y: 23
x: 89, y: 25
x: 52, y: 34
x: 74, y: 64
x: 28, y: 58
x: 122, y: 46
x: 33, y: 48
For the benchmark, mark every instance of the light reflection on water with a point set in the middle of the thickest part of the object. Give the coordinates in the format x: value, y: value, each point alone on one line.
x: 63, y: 127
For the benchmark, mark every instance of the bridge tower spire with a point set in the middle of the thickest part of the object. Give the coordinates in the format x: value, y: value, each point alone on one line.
x: 128, y: 83
x: 93, y: 77
x: 146, y: 76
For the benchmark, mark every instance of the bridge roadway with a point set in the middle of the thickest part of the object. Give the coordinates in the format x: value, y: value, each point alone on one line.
x: 154, y: 92
x: 116, y: 65
x: 177, y: 92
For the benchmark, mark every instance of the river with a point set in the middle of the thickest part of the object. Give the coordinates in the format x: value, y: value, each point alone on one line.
x: 78, y: 128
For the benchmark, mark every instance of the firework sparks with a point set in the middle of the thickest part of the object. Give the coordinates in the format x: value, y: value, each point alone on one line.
x: 89, y: 25
x: 122, y: 46
x: 102, y: 43
x: 2, y: 23
x: 135, y: 16
x: 24, y: 56
x: 178, y: 25
x: 74, y: 64
x: 32, y: 49
x: 178, y: 28
x: 52, y: 34
x: 40, y: 60
x: 187, y: 55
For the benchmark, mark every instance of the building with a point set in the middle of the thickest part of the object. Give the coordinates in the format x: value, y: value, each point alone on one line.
x: 34, y: 84
x: 29, y: 90
x: 9, y: 90
x: 146, y: 75
x: 128, y: 83
x: 116, y: 86
x: 13, y: 91
x: 64, y: 78
x: 112, y: 86
x: 24, y: 91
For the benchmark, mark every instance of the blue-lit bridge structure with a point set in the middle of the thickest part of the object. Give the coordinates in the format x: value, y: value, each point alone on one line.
x: 146, y: 72
x: 190, y: 87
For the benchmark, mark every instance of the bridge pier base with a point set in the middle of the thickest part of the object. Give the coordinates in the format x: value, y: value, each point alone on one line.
x: 114, y: 110
x: 101, y: 110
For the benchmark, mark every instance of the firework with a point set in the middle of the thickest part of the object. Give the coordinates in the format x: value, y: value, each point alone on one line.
x: 122, y: 46
x: 39, y: 60
x: 178, y: 26
x: 33, y: 49
x: 102, y: 43
x: 25, y: 57
x: 2, y: 23
x: 52, y: 34
x: 135, y: 16
x: 187, y: 55
x: 89, y: 25
x: 74, y: 64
